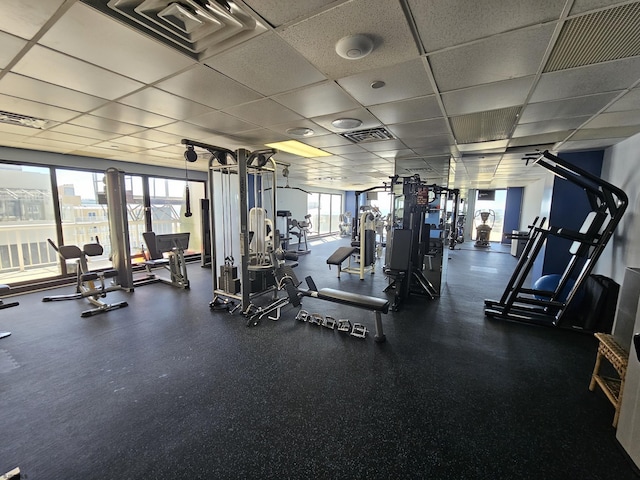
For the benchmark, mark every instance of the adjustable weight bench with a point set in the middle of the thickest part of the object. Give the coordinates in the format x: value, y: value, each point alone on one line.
x: 339, y: 256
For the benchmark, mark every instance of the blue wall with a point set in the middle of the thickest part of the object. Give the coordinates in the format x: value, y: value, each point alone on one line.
x: 350, y: 203
x: 568, y: 207
x: 512, y: 211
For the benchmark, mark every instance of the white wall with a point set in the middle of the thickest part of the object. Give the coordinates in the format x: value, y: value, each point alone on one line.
x: 621, y: 168
x: 531, y: 203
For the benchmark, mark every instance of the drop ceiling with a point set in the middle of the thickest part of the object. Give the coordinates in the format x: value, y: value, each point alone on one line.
x: 468, y: 87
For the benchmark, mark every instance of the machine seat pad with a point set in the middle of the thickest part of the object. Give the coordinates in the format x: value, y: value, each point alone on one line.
x: 340, y: 255
x: 354, y: 299
x: 89, y: 276
x: 112, y: 272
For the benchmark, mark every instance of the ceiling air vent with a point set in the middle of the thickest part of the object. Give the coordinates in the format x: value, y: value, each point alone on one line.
x: 22, y: 120
x: 369, y: 135
x: 198, y: 28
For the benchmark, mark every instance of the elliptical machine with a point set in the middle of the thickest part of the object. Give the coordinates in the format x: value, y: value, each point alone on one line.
x: 483, y: 230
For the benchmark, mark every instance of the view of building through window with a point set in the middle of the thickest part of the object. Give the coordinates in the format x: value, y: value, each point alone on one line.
x: 28, y: 216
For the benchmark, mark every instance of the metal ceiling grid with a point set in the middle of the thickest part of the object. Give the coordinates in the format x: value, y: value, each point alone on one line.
x: 453, y: 77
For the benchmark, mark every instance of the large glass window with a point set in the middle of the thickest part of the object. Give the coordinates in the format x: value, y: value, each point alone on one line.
x: 313, y: 207
x: 168, y: 208
x: 494, y: 208
x: 336, y: 211
x: 324, y: 226
x: 83, y: 211
x: 26, y: 221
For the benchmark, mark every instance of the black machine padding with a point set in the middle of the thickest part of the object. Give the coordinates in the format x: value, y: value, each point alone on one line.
x: 400, y: 250
x: 354, y: 299
x: 340, y: 255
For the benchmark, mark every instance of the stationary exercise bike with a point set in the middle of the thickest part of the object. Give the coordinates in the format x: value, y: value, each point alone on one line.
x: 91, y: 285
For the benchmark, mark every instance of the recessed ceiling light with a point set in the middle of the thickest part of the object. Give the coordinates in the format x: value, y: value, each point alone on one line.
x: 354, y: 47
x: 346, y: 123
x: 377, y: 84
x: 300, y: 132
x: 298, y: 148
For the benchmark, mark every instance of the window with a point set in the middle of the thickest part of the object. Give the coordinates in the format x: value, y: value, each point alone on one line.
x: 168, y: 208
x: 27, y: 219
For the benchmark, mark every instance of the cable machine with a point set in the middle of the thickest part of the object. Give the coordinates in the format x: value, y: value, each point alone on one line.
x: 416, y: 262
x: 234, y: 179
x: 547, y: 307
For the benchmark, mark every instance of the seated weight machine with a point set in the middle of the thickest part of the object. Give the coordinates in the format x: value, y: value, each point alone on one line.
x: 363, y: 246
x: 92, y: 285
x: 545, y: 307
x: 173, y: 245
x: 416, y: 262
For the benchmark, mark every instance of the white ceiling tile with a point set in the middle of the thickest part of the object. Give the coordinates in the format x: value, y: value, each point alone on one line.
x: 420, y: 108
x: 317, y: 100
x: 259, y: 137
x: 43, y: 92
x: 263, y: 112
x: 571, y: 107
x: 582, y: 6
x: 140, y: 143
x: 424, y: 128
x: 163, y: 103
x: 188, y: 130
x: 507, y: 56
x: 54, y: 67
x: 282, y: 128
x: 25, y: 18
x: 66, y: 138
x: 368, y: 120
x: 278, y: 12
x: 35, y: 109
x: 134, y: 116
x: 616, y: 119
x: 86, y: 132
x: 384, y: 145
x: 587, y: 80
x: 343, y: 149
x: 608, y: 132
x: 629, y: 101
x: 431, y: 141
x: 118, y: 147
x: 402, y: 81
x: 206, y: 86
x: 554, y: 125
x: 583, y: 145
x: 84, y: 33
x: 494, y: 146
x: 269, y: 65
x: 106, y: 124
x: 384, y: 21
x: 221, y: 122
x: 444, y: 23
x: 322, y: 141
x: 18, y: 129
x: 540, y: 139
x: 491, y: 96
x: 10, y: 47
x: 158, y: 136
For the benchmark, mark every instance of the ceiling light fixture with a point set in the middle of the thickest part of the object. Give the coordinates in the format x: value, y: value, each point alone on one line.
x: 346, y: 123
x: 377, y: 84
x: 300, y: 132
x: 354, y: 47
x: 298, y: 148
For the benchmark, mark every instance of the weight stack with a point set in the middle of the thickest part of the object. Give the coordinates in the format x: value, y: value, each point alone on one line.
x: 228, y: 279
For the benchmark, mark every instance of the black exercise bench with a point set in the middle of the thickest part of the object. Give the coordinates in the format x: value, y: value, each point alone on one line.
x: 377, y: 305
x: 339, y: 256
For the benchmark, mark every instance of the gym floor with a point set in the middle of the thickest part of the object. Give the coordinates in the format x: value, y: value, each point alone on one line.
x: 167, y: 388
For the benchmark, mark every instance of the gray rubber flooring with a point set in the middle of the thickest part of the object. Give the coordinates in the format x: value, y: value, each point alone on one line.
x: 166, y: 388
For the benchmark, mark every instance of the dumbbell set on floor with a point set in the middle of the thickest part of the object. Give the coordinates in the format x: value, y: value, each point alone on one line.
x: 342, y: 325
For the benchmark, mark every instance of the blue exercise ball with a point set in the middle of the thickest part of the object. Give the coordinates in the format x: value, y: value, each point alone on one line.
x: 550, y: 283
